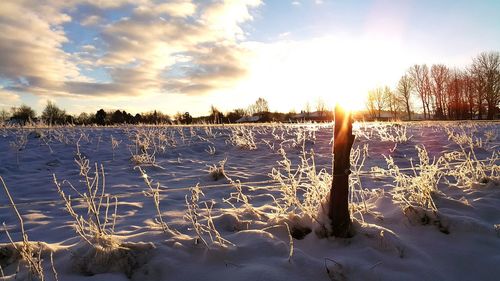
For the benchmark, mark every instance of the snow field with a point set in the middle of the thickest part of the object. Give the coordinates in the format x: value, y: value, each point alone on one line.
x: 247, y: 203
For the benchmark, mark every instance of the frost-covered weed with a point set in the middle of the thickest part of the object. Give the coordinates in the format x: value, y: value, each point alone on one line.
x: 210, y: 150
x: 19, y: 143
x: 216, y: 172
x: 144, y: 148
x: 463, y: 138
x: 490, y: 135
x: 154, y: 191
x: 242, y: 137
x: 304, y: 137
x: 209, y: 132
x: 416, y: 189
x: 466, y: 169
x: 114, y: 145
x: 305, y: 190
x: 97, y: 227
x: 238, y: 197
x: 201, y: 219
x: 396, y: 132
x: 358, y: 196
x: 27, y: 252
x: 103, y: 251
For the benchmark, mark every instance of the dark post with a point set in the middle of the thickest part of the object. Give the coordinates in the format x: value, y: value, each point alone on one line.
x: 338, y: 211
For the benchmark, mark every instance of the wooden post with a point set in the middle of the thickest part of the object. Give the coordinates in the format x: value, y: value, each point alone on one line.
x: 338, y: 211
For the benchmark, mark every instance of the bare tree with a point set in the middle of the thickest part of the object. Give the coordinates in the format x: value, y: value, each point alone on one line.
x: 486, y: 68
x: 470, y: 93
x: 439, y: 79
x: 307, y: 109
x: 321, y: 107
x: 391, y: 101
x: 260, y: 106
x: 376, y: 102
x: 420, y: 76
x: 215, y: 115
x: 23, y: 114
x: 404, y: 90
x: 52, y: 114
x: 460, y: 95
x: 4, y: 115
x: 370, y: 105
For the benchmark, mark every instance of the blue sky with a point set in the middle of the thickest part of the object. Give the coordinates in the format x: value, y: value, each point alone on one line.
x: 184, y: 55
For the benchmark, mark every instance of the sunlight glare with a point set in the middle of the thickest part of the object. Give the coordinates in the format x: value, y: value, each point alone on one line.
x: 294, y: 74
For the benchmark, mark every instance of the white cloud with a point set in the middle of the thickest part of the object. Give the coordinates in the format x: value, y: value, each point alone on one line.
x: 31, y: 42
x: 8, y: 99
x: 140, y: 52
x: 91, y: 20
x: 176, y: 8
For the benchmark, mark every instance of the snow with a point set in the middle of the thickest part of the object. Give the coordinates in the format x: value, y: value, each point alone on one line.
x: 247, y: 219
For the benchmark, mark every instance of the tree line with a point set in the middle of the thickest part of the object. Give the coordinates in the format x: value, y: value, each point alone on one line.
x: 53, y: 115
x: 443, y: 92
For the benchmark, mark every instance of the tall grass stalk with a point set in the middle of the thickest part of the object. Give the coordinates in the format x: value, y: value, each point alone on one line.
x: 28, y: 252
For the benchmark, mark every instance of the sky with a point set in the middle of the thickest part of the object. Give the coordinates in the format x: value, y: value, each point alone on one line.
x: 186, y: 55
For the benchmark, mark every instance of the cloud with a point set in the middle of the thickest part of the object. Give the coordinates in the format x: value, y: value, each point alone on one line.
x: 177, y: 8
x: 91, y: 20
x: 180, y: 46
x: 9, y: 99
x: 209, y: 45
x: 212, y: 66
x: 224, y: 17
x: 31, y: 54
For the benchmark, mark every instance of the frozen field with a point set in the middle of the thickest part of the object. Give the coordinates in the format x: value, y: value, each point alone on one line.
x: 223, y: 202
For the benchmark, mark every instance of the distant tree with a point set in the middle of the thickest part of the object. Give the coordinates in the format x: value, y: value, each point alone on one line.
x: 128, y: 118
x: 53, y: 115
x: 164, y: 118
x: 117, y: 117
x: 290, y: 115
x: 260, y: 106
x: 137, y: 118
x: 155, y: 117
x: 404, y: 89
x: 486, y: 68
x: 440, y: 75
x: 370, y: 105
x: 455, y: 96
x: 234, y: 115
x: 215, y: 115
x: 321, y: 107
x: 307, y: 109
x: 376, y: 102
x: 178, y: 117
x: 84, y: 119
x: 187, y: 118
x: 23, y: 114
x: 69, y: 119
x: 391, y: 101
x: 4, y: 115
x: 470, y: 93
x: 421, y: 80
x: 100, y: 117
